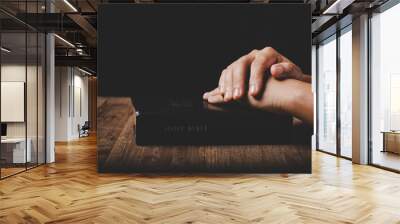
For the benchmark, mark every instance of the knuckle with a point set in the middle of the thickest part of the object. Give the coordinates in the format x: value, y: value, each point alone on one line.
x: 253, y: 52
x: 242, y: 60
x: 260, y: 58
x: 291, y: 67
x: 269, y: 50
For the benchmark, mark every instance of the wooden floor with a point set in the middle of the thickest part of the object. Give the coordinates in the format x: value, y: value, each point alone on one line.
x: 386, y: 159
x: 71, y: 191
x: 5, y: 172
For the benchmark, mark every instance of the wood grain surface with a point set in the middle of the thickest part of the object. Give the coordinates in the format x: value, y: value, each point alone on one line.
x: 117, y: 151
x: 72, y: 191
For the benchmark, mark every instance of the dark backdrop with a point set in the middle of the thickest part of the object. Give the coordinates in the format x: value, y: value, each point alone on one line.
x: 180, y: 49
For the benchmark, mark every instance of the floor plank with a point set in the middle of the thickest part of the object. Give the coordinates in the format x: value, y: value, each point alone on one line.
x: 72, y: 191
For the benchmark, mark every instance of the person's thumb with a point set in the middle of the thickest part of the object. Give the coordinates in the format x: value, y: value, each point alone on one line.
x: 287, y: 70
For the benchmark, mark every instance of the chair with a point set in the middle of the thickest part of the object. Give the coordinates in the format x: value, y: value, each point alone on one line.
x: 84, y: 130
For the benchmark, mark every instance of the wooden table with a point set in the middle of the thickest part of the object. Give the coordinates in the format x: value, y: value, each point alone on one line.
x: 391, y: 141
x: 118, y: 152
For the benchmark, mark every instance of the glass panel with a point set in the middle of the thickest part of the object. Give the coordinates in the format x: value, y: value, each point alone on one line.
x: 23, y: 89
x: 327, y: 96
x: 13, y: 86
x: 31, y: 98
x: 346, y: 94
x: 385, y: 87
x: 32, y: 89
x: 41, y: 99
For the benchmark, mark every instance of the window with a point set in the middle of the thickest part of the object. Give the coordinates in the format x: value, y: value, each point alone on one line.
x: 22, y: 101
x: 327, y: 95
x: 345, y: 43
x: 385, y: 89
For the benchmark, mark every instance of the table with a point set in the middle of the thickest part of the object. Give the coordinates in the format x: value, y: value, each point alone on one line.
x: 118, y: 152
x: 13, y: 150
x: 391, y: 141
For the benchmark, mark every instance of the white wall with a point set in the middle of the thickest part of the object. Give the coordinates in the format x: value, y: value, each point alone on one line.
x: 12, y: 101
x: 33, y: 127
x: 14, y: 72
x: 80, y: 97
x: 62, y: 81
x: 17, y: 72
x: 71, y: 102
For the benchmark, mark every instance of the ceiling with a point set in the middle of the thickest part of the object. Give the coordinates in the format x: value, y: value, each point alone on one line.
x: 76, y: 22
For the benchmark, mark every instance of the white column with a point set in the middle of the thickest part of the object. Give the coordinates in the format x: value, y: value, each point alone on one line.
x: 50, y: 92
x: 314, y: 88
x: 50, y: 100
x: 62, y: 103
x: 360, y: 90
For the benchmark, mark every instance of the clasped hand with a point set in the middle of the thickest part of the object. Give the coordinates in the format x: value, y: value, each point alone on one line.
x: 286, y: 90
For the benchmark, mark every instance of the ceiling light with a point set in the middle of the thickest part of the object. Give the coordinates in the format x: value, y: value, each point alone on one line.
x: 338, y: 6
x: 65, y: 41
x: 5, y: 50
x: 79, y: 51
x: 70, y: 5
x: 84, y: 71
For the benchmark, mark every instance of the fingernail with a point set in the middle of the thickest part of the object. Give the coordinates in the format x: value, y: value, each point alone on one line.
x: 236, y: 93
x: 205, y: 95
x: 228, y: 95
x: 252, y: 89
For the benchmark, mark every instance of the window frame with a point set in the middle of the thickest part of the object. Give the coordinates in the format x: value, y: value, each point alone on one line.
x: 380, y: 9
x: 339, y: 32
x: 27, y: 29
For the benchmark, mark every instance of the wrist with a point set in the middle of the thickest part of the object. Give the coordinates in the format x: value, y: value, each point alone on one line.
x: 298, y: 102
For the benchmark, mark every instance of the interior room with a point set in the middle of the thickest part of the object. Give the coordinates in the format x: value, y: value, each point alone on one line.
x: 385, y: 75
x: 51, y: 117
x: 22, y: 104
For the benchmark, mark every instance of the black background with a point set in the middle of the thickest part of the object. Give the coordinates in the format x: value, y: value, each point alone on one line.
x: 180, y: 49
